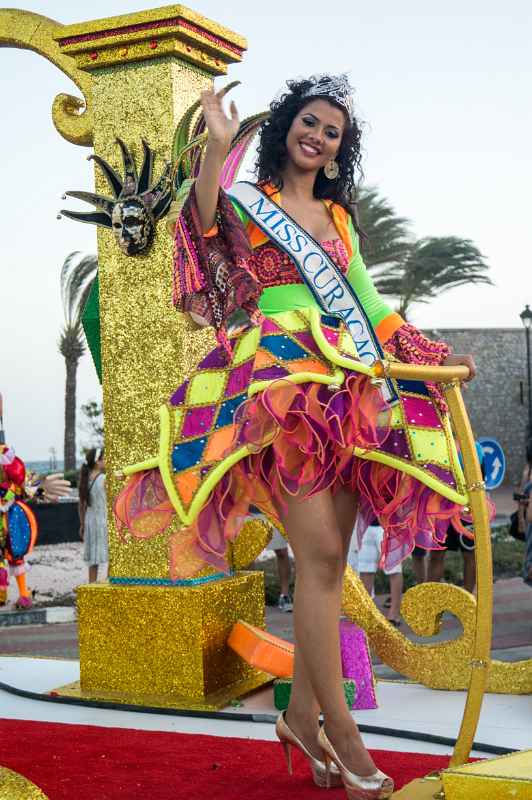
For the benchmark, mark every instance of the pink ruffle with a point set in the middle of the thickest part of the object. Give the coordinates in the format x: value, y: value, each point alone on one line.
x: 411, y: 513
x: 143, y: 507
x: 303, y: 439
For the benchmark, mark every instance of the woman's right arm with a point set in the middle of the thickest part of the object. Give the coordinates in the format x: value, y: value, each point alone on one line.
x: 221, y: 131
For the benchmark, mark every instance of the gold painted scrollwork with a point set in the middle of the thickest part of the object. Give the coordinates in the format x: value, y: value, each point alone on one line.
x: 439, y: 665
x: 72, y: 116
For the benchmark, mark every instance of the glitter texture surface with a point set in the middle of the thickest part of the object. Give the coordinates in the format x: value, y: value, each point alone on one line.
x: 356, y: 664
x: 147, y: 347
x: 441, y: 665
x: 282, y: 689
x: 143, y: 641
x: 494, y: 779
x: 15, y: 787
x: 211, y: 702
x: 152, y: 34
x: 251, y: 541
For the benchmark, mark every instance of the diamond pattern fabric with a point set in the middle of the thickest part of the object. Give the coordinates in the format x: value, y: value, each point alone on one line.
x: 205, y: 405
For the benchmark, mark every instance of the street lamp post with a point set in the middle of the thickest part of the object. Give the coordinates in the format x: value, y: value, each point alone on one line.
x: 526, y: 319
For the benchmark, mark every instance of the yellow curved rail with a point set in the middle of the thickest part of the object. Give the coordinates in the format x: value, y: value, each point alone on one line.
x: 480, y: 655
x: 72, y: 116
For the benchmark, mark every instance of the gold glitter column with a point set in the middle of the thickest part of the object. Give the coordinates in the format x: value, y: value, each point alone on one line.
x: 151, y: 644
x: 146, y: 69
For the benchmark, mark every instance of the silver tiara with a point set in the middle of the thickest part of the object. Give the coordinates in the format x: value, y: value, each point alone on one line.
x: 337, y: 87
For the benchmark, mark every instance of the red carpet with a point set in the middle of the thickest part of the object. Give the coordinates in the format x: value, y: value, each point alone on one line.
x: 91, y: 763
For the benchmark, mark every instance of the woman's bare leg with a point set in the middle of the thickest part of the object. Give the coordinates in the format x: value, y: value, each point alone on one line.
x: 316, y: 539
x: 346, y: 509
x: 304, y: 706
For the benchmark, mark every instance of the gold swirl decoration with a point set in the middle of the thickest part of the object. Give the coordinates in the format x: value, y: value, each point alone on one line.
x: 438, y: 665
x: 72, y: 116
x: 15, y: 787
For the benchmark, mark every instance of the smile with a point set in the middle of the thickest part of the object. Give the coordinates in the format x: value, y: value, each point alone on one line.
x: 309, y: 149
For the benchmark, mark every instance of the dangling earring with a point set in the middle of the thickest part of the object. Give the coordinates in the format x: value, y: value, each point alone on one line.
x: 331, y: 169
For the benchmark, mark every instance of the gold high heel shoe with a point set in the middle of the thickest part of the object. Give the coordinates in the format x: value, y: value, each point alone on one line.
x: 288, y: 739
x: 372, y: 787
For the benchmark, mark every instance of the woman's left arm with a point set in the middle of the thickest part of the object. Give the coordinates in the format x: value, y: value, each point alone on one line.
x: 398, y: 337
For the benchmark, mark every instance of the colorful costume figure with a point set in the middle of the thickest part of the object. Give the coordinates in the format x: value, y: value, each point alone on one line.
x: 18, y: 526
x: 283, y: 404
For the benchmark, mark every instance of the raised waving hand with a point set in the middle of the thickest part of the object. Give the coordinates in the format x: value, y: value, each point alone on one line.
x: 221, y: 127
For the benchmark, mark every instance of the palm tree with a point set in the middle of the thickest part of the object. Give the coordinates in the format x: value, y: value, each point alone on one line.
x: 430, y: 267
x: 77, y: 275
x: 414, y: 271
x: 387, y: 235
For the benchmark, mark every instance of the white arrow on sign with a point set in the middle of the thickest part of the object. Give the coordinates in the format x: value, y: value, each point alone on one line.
x: 496, y: 468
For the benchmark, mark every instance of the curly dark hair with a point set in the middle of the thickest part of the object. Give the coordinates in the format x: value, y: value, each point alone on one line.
x: 272, y: 152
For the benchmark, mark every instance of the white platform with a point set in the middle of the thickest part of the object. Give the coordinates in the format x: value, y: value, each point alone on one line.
x: 505, y: 719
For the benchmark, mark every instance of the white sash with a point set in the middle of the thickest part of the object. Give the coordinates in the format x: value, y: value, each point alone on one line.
x: 333, y: 293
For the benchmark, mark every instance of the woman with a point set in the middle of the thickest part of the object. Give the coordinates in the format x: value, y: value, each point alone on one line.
x: 275, y: 416
x: 93, y: 512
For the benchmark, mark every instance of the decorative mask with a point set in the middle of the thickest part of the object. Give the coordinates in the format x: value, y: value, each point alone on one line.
x: 133, y: 226
x: 136, y: 206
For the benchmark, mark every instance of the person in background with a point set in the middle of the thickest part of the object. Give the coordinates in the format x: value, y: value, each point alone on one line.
x: 524, y: 487
x: 457, y: 541
x: 280, y: 548
x: 18, y: 525
x: 527, y: 569
x: 525, y: 512
x: 366, y: 560
x: 419, y: 564
x: 93, y: 512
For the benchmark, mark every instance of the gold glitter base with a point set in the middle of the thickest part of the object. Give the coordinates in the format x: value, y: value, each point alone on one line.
x: 211, y: 702
x: 15, y: 787
x: 140, y: 642
x: 429, y: 788
x: 506, y: 776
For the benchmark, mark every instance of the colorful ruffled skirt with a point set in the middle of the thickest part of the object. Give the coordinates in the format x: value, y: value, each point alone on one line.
x: 292, y: 412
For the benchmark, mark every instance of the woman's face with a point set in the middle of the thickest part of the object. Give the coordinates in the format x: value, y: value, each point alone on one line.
x: 315, y: 135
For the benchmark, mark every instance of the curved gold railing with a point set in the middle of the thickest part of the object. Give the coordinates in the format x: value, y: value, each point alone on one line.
x: 478, y: 616
x: 72, y: 116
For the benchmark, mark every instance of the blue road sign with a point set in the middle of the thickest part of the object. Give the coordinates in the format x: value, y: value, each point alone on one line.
x: 494, y: 462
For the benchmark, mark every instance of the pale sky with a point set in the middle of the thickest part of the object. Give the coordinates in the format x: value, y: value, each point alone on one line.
x: 444, y: 93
